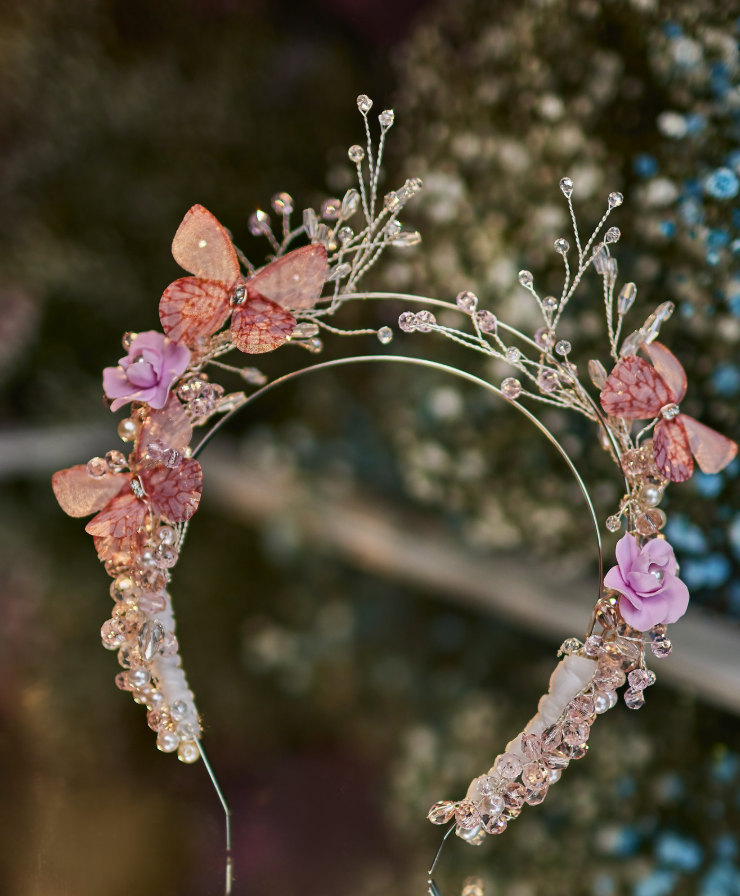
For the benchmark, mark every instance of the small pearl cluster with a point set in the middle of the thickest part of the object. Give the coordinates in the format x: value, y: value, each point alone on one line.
x: 583, y: 686
x: 646, y: 489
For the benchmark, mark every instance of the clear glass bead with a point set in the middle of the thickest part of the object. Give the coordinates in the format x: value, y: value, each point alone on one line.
x: 258, y: 223
x: 149, y: 579
x: 392, y: 201
x: 661, y: 647
x: 116, y: 461
x: 467, y: 301
x: 305, y: 329
x: 188, y: 752
x: 550, y: 303
x: 612, y: 235
x: 509, y: 766
x: 350, y: 204
x: 97, y: 468
x: 632, y: 344
x: 566, y: 185
x: 514, y: 795
x: 485, y: 785
x: 466, y: 814
x: 615, y: 200
x: 331, y: 209
x: 178, y: 710
x: 151, y: 637
x: 356, y: 154
x: 614, y: 523
x: 441, y: 813
x: 548, y: 381
x: 562, y: 246
x: 601, y: 259
x: 121, y: 588
x: 155, y: 449
x: 626, y: 298
x: 563, y: 347
x: 487, y: 321
x: 122, y: 681
x: 386, y: 118
x: 634, y: 699
x: 526, y: 279
x: 282, y: 203
x: 633, y: 463
x: 531, y: 746
x: 385, y: 335
x: 364, y: 103
x: 575, y: 733
x: 345, y: 234
x: 534, y: 775
x: 512, y: 355
x: 128, y: 429
x: 166, y: 556
x: 511, y: 387
x: 111, y: 636
x: 544, y: 338
x: 597, y: 373
x: 424, y: 320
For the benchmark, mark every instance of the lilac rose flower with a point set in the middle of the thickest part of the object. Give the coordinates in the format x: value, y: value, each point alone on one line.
x: 646, y: 577
x: 147, y: 373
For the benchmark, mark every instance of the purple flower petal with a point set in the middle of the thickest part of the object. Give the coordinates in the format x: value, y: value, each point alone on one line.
x: 147, y: 372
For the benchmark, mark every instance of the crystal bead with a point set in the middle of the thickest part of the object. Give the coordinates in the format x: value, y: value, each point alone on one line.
x: 526, y: 279
x: 512, y: 354
x: 121, y: 588
x: 187, y: 731
x: 601, y: 259
x: 472, y: 886
x: 305, y: 329
x: 385, y: 335
x: 536, y: 796
x: 407, y: 322
x: 611, y: 271
x: 563, y: 347
x: 407, y: 238
x: 496, y: 825
x: 364, y: 103
x: 386, y: 118
x: 548, y: 381
x: 632, y: 344
x: 602, y: 703
x: 658, y: 631
x: 626, y: 298
x: 551, y: 738
x: 550, y: 303
x: 110, y: 635
x: 514, y: 795
x: 282, y: 203
x: 127, y: 339
x: 331, y: 209
x: 128, y: 429
x: 544, y: 338
x: 575, y: 733
x: 424, y: 321
x: 651, y: 521
x: 613, y: 523
x: 639, y: 679
x: 467, y: 301
x: 258, y: 223
x: 188, y: 752
x: 466, y: 814
x: 172, y: 457
x: 416, y: 184
x: 157, y: 719
x: 615, y: 200
x: 169, y: 645
x: 167, y: 741
x: 562, y: 246
x: 97, y: 468
x: 155, y: 449
x: 487, y: 321
x: 570, y: 645
x: 661, y: 647
x: 339, y: 271
x: 485, y: 785
x: 392, y: 201
x: 556, y: 759
x: 122, y: 681
x: 350, y: 204
x: 310, y: 222
x: 490, y: 809
x: 593, y: 645
x: 151, y: 637
x: 137, y: 488
x: 566, y: 185
x: 116, y: 461
x: 509, y: 765
x: 581, y: 708
x: 441, y: 813
x: 612, y: 235
x: 345, y: 234
x: 651, y: 327
x: 356, y: 154
x: 634, y: 699
x: 150, y: 603
x: 531, y: 747
x: 577, y: 752
x: 633, y: 463
x: 165, y: 556
x: 609, y: 678
x: 511, y: 388
x: 534, y: 775
x: 598, y: 374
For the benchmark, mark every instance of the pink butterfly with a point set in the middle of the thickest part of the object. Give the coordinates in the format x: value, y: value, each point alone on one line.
x: 194, y: 307
x: 123, y: 500
x: 638, y: 391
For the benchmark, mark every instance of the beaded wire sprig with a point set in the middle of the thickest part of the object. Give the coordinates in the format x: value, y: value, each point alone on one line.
x: 143, y: 501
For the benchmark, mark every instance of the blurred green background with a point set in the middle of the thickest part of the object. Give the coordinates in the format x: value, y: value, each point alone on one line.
x: 343, y: 689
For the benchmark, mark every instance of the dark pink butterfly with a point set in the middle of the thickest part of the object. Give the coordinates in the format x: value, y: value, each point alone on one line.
x: 637, y: 390
x: 123, y: 500
x: 260, y: 306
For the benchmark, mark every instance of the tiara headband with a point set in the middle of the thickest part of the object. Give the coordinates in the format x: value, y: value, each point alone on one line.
x: 143, y: 501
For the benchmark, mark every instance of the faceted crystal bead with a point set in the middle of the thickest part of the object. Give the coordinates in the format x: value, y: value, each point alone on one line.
x: 534, y: 775
x: 598, y: 374
x: 364, y: 103
x: 157, y: 719
x: 633, y: 463
x: 651, y: 327
x: 514, y: 795
x: 629, y: 650
x: 407, y: 238
x: 424, y: 321
x: 556, y: 759
x: 166, y: 556
x: 562, y: 246
x: 661, y: 647
x: 386, y: 118
x: 121, y: 588
x: 615, y: 200
x: 169, y: 645
x: 441, y: 813
x: 407, y: 322
x: 356, y: 154
x: 551, y: 738
x: 339, y: 272
x: 511, y: 387
x: 122, y: 681
x: 569, y: 646
x: 609, y: 678
x: 634, y: 698
x: 612, y: 235
x: 548, y: 381
x: 626, y: 298
x: 512, y: 355
x: 601, y: 259
x: 188, y: 752
x: 350, y: 204
x: 490, y: 808
x: 581, y: 708
x: 305, y: 330
x: 509, y: 765
x: 151, y: 603
x: 550, y: 303
x: 467, y: 301
x: 531, y: 747
x: 485, y: 785
x: 577, y: 752
x: 611, y: 272
x: 535, y: 796
x: 466, y: 814
x: 392, y: 201
x: 258, y: 223
x: 116, y: 461
x: 639, y: 679
x: 151, y: 637
x: 331, y: 209
x: 496, y: 825
x: 282, y: 203
x: 385, y: 335
x: 486, y: 321
x: 128, y: 429
x: 593, y: 645
x: 310, y: 222
x: 658, y: 631
x: 575, y: 733
x: 473, y: 886
x: 526, y: 279
x: 345, y: 234
x: 545, y: 338
x: 155, y: 449
x: 613, y: 523
x: 149, y: 579
x: 563, y: 347
x: 97, y: 468
x: 566, y: 185
x: 167, y: 741
x: 651, y: 521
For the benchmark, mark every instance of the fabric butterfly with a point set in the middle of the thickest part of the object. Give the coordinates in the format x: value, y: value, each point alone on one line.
x: 260, y: 305
x: 172, y: 492
x: 637, y: 390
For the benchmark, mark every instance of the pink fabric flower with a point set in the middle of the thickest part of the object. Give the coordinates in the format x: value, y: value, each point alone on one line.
x: 147, y: 373
x: 651, y: 590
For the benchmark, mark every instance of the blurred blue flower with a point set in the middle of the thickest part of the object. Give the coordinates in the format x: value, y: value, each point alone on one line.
x: 726, y: 846
x: 657, y: 883
x: 723, y: 879
x: 691, y: 211
x: 725, y: 767
x: 710, y: 571
x: 668, y: 229
x: 718, y: 238
x: 685, y: 535
x: 726, y: 379
x: 722, y: 184
x: 733, y: 536
x: 645, y: 165
x: 678, y: 852
x: 709, y: 485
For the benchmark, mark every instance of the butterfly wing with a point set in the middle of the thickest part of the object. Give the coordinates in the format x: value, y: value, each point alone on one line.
x: 635, y: 390
x: 121, y: 551
x: 193, y: 307
x: 294, y: 281
x: 671, y: 449
x: 669, y: 368
x: 712, y: 450
x: 123, y: 516
x: 80, y: 495
x: 260, y: 325
x: 203, y: 247
x: 174, y: 492
x: 170, y: 425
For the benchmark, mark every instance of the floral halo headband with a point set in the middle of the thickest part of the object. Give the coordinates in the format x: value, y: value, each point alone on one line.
x: 143, y: 501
